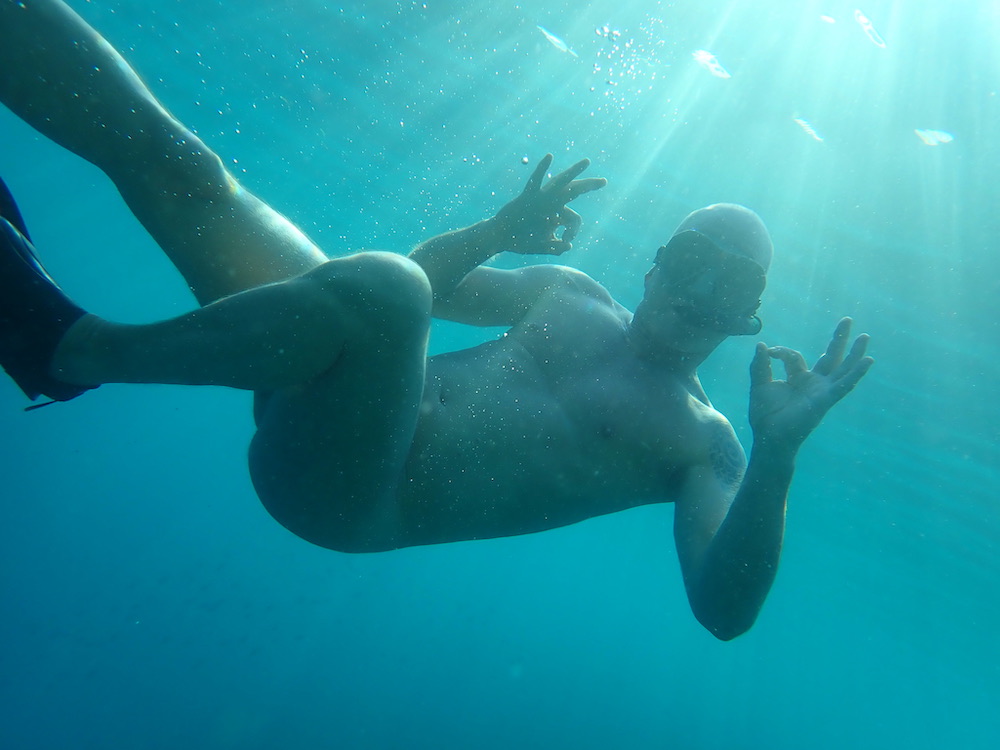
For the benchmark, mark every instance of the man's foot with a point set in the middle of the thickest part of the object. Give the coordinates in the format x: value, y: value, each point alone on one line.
x: 34, y: 314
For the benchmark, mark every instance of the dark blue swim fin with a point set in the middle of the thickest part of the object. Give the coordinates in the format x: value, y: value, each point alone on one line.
x: 10, y: 211
x: 34, y: 311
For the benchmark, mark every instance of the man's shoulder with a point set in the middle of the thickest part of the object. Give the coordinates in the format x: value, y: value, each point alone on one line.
x: 576, y: 316
x: 712, y: 422
x: 571, y: 285
x: 716, y: 443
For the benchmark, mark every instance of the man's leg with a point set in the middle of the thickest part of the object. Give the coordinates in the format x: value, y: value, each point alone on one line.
x: 61, y: 77
x: 329, y: 455
x: 343, y: 345
x: 344, y: 349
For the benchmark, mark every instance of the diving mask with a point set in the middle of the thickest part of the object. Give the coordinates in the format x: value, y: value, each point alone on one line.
x: 712, y: 287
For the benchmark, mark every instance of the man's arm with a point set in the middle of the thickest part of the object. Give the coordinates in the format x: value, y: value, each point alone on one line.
x: 467, y: 293
x: 729, y: 524
x: 729, y: 532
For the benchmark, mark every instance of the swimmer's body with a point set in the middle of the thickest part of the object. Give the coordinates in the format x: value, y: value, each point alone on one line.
x: 364, y: 444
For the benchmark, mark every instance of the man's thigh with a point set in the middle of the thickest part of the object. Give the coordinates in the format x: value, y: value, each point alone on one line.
x: 328, y: 455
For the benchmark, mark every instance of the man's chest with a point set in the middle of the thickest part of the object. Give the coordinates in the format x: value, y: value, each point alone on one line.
x: 631, y: 419
x: 631, y: 423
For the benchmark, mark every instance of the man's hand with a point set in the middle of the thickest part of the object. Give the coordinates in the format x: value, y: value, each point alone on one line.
x: 784, y: 412
x: 528, y: 224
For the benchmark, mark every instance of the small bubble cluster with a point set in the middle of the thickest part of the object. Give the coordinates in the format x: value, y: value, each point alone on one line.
x: 628, y: 64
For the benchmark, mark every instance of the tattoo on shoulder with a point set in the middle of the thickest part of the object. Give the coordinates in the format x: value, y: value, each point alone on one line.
x: 726, y: 457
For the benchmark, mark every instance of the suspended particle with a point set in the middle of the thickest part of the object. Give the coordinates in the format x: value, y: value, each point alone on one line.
x: 808, y: 129
x: 556, y: 42
x: 934, y: 137
x: 710, y: 63
x: 869, y: 29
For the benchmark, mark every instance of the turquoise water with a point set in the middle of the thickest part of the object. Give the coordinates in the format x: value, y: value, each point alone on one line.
x: 149, y: 601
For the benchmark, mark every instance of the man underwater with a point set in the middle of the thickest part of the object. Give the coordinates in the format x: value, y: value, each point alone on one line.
x: 365, y: 444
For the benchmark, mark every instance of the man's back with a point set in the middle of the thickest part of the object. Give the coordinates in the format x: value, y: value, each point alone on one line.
x: 555, y: 422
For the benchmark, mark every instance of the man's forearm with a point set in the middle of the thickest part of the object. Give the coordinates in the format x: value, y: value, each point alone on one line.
x: 450, y: 257
x: 742, y: 560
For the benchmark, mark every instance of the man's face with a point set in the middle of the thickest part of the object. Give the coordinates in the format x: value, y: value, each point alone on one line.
x: 706, y: 287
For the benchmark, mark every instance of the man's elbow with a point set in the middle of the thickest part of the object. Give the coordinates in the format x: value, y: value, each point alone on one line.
x: 725, y: 625
x: 727, y: 631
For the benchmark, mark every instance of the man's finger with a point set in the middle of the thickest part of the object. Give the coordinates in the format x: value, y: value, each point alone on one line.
x: 578, y: 187
x: 559, y: 247
x: 551, y: 247
x: 857, y: 353
x: 572, y: 221
x: 795, y: 363
x: 760, y: 367
x: 835, y: 351
x: 562, y: 179
x: 535, y: 181
x: 846, y: 384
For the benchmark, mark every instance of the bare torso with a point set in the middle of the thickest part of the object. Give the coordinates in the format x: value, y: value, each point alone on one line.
x: 555, y: 422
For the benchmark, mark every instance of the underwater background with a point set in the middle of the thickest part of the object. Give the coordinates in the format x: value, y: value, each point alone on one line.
x: 150, y: 602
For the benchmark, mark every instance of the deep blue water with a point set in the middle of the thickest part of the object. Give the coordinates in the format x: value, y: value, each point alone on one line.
x: 150, y: 602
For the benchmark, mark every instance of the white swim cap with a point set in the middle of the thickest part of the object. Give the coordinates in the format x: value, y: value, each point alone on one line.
x: 733, y: 228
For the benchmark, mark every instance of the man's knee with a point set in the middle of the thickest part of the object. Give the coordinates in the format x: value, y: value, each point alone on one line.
x: 179, y: 164
x: 387, y: 290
